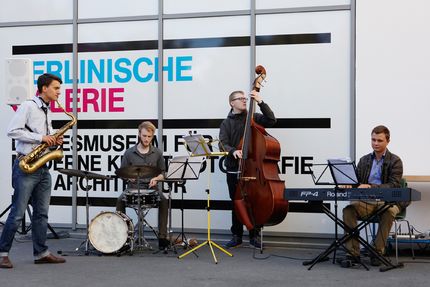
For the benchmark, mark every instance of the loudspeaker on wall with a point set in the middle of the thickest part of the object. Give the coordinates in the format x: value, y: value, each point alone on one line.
x: 18, y: 80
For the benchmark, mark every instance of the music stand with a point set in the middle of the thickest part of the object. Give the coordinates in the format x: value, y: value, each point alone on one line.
x: 198, y: 147
x: 184, y: 167
x: 180, y: 169
x: 343, y: 172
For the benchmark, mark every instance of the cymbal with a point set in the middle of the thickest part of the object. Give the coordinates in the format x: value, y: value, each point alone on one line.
x: 82, y: 173
x: 145, y: 171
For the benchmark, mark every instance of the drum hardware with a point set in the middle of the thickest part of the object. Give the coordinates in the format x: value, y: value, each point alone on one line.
x: 142, y: 243
x: 149, y: 198
x: 138, y: 172
x: 86, y: 175
x: 25, y: 229
x: 83, y: 173
x: 172, y: 245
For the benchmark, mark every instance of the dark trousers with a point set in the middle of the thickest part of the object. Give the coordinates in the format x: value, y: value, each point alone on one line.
x: 236, y: 225
x: 36, y: 185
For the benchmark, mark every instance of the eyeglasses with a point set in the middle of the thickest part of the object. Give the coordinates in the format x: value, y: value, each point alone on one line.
x: 241, y: 99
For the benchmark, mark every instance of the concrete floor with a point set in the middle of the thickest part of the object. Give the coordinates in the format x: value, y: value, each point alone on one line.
x: 277, y: 266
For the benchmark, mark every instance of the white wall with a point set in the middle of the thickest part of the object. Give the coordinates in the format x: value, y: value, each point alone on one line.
x: 304, y: 81
x: 393, y: 85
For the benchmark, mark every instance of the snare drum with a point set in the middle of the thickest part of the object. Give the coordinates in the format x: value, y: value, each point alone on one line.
x: 148, y: 198
x: 111, y: 232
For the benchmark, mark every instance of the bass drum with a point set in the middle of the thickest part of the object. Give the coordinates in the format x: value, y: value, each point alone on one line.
x: 111, y: 232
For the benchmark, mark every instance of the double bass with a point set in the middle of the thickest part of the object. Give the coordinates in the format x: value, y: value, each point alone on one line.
x: 259, y: 198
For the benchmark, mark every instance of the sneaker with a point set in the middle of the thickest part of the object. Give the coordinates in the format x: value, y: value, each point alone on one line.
x: 374, y: 261
x: 163, y: 243
x: 234, y: 242
x: 255, y: 242
x: 348, y: 261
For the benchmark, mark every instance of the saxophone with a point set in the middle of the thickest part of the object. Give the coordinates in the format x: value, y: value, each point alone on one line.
x: 34, y: 160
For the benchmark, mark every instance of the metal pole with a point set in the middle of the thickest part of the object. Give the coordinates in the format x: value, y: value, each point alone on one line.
x: 160, y: 76
x: 75, y: 129
x: 253, y: 21
x: 353, y: 95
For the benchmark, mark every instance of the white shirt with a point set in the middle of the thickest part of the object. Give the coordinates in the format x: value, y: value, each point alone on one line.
x: 30, y: 114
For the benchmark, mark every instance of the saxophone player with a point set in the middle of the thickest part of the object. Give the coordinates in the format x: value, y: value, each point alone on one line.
x: 31, y: 126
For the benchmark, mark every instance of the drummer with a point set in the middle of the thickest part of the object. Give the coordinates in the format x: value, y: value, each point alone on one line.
x: 145, y: 154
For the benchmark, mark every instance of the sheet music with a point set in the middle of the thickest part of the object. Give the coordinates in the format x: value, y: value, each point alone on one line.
x: 184, y: 167
x: 343, y: 171
x: 197, y: 145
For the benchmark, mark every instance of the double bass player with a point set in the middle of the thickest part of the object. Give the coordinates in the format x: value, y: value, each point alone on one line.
x: 231, y: 132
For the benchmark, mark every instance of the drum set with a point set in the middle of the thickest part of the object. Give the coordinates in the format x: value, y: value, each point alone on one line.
x: 114, y: 232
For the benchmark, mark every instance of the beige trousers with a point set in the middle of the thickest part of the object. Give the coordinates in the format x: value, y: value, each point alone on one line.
x: 359, y: 210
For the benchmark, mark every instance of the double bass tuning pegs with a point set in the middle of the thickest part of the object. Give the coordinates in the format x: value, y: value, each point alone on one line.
x: 260, y: 70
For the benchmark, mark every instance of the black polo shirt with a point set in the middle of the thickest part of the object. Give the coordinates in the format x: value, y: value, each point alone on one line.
x: 154, y: 158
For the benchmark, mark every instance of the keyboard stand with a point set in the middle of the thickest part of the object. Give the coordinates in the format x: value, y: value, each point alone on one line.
x: 350, y: 233
x: 344, y: 173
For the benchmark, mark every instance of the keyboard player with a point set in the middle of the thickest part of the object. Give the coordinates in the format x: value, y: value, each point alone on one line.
x: 378, y: 169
